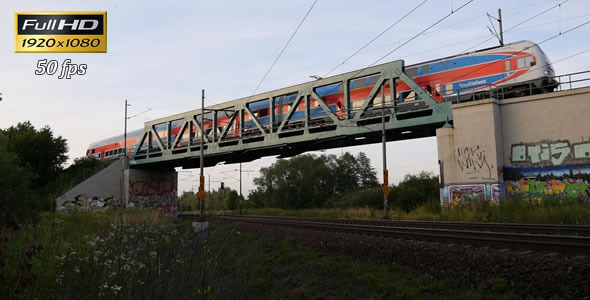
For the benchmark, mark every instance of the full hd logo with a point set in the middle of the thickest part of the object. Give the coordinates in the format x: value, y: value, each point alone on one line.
x: 81, y: 31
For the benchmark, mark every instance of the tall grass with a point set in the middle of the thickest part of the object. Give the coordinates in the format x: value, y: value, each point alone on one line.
x: 549, y: 210
x: 135, y: 254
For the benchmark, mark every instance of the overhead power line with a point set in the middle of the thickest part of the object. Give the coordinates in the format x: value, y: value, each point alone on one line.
x: 415, y: 36
x: 285, y: 47
x: 410, y: 39
x: 375, y: 38
x: 516, y: 26
x: 487, y: 65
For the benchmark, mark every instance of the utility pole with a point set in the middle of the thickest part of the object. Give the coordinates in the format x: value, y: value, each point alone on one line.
x: 499, y: 36
x: 385, y: 188
x: 241, y: 198
x: 125, y: 166
x: 501, y: 30
x: 202, y: 192
x: 125, y: 135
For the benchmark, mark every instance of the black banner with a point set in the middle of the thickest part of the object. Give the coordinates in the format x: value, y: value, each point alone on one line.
x: 61, y: 24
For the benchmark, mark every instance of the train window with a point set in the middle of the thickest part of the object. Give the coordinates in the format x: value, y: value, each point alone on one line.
x: 373, y: 79
x: 263, y: 112
x: 449, y: 88
x: 507, y: 66
x: 528, y: 61
x: 93, y: 151
x: 411, y: 71
x: 520, y: 63
x: 437, y: 89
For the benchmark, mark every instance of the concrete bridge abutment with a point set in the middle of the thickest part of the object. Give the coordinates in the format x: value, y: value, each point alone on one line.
x: 118, y: 186
x: 528, y: 146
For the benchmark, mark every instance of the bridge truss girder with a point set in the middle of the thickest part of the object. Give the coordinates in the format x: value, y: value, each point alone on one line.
x: 157, y: 147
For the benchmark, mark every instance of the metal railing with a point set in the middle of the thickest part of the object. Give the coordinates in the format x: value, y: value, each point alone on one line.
x: 556, y: 83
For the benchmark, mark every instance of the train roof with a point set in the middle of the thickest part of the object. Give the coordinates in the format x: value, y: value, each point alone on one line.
x: 474, y: 52
x: 254, y: 97
x: 114, y: 139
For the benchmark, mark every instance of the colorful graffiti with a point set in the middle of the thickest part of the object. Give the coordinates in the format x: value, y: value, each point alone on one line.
x: 535, y: 189
x: 83, y: 203
x: 160, y: 194
x: 472, y: 161
x: 550, y: 153
x: 459, y: 194
x: 495, y: 193
x: 470, y: 193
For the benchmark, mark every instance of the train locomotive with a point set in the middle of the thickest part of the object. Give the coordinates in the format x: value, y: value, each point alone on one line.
x: 513, y: 68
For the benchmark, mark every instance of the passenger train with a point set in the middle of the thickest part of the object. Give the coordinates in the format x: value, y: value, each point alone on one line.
x: 512, y: 66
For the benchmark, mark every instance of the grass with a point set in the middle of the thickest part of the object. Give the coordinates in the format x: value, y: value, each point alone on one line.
x: 139, y: 254
x: 291, y: 271
x: 549, y: 210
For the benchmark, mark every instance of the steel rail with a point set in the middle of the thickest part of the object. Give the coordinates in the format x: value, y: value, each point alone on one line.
x: 529, y: 241
x: 557, y: 229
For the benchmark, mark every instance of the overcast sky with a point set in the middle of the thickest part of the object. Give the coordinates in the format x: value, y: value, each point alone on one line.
x: 162, y: 53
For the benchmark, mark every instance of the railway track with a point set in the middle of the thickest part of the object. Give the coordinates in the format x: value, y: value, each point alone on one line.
x: 570, y: 239
x: 580, y: 230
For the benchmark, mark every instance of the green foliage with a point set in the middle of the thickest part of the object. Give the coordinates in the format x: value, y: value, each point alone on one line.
x: 415, y: 190
x: 368, y: 197
x: 217, y: 200
x: 141, y: 255
x: 30, y: 161
x: 513, y: 210
x: 38, y: 150
x: 308, y: 181
x: 188, y: 201
x: 14, y: 183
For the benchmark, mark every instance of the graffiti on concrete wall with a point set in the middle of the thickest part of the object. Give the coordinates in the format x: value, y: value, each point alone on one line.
x: 473, y: 162
x: 460, y: 194
x: 159, y: 193
x: 495, y: 193
x: 569, y: 182
x: 554, y: 153
x: 470, y: 194
x: 571, y: 188
x: 84, y: 203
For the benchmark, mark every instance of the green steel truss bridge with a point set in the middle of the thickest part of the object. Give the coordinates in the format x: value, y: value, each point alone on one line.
x: 174, y: 141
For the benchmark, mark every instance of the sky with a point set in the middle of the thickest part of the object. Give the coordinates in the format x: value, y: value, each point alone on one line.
x: 162, y: 53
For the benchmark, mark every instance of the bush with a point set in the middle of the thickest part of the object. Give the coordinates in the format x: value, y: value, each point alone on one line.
x: 369, y: 197
x: 415, y: 190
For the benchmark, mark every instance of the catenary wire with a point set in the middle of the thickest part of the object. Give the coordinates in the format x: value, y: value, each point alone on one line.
x: 517, y: 25
x: 285, y: 47
x: 375, y: 38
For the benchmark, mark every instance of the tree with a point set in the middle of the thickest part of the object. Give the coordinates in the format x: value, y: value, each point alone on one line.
x: 31, y: 161
x: 307, y: 181
x: 14, y: 183
x: 414, y: 190
x: 366, y: 172
x: 38, y: 151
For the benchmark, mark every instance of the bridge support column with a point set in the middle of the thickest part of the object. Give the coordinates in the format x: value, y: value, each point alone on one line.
x: 470, y: 154
x: 157, y: 189
x: 529, y: 147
